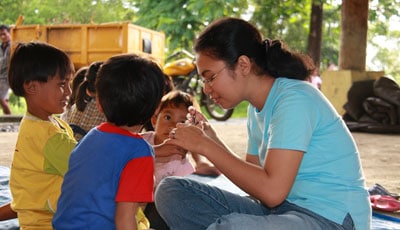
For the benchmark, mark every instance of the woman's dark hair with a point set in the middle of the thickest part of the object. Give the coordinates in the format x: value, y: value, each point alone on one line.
x: 129, y: 89
x: 82, y: 98
x: 229, y: 38
x: 36, y: 61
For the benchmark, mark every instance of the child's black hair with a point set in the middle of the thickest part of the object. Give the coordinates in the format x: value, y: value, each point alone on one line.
x: 129, y: 89
x: 177, y: 98
x: 168, y: 87
x: 88, y: 84
x: 35, y: 61
x: 76, y: 82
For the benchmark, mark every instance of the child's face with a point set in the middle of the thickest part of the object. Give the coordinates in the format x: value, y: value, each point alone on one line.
x: 51, y: 97
x: 167, y: 120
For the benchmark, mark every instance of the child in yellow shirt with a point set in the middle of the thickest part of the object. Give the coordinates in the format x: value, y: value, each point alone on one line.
x: 40, y: 73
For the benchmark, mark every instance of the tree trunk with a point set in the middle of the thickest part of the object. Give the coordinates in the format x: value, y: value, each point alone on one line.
x: 353, y: 42
x: 315, y: 35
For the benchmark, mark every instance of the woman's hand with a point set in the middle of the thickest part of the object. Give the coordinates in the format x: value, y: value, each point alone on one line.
x: 188, y: 137
x: 195, y: 131
x: 197, y: 118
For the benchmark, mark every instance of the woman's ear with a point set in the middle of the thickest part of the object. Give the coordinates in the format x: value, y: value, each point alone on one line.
x: 31, y: 87
x: 244, y: 65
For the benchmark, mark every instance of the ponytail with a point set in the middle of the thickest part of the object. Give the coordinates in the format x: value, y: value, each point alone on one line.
x: 82, y: 98
x: 280, y: 61
x: 88, y: 85
x: 78, y: 79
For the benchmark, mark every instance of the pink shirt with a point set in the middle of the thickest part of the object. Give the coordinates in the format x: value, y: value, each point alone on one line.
x: 174, y: 165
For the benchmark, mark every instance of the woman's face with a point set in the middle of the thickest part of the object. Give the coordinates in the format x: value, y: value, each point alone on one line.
x: 220, y: 82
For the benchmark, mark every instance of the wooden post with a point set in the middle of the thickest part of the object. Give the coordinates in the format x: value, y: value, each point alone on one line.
x: 353, y: 42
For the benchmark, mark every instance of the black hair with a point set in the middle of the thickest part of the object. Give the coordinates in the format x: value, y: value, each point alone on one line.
x: 168, y: 84
x: 129, y: 89
x: 4, y: 27
x: 168, y: 87
x: 78, y: 78
x: 229, y: 38
x: 177, y: 98
x: 82, y: 98
x: 36, y: 61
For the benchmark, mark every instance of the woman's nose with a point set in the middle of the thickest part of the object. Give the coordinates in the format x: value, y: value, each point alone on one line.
x: 206, y: 89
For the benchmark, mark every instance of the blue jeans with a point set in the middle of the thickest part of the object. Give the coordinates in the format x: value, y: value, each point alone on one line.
x: 187, y: 204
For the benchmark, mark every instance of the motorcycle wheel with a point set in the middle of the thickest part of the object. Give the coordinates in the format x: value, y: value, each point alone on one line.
x: 216, y: 111
x: 184, y: 83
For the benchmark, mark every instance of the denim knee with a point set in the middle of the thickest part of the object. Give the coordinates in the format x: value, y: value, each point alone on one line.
x: 163, y: 191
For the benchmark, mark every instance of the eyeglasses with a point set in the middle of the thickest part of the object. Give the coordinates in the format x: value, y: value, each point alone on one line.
x: 212, y: 78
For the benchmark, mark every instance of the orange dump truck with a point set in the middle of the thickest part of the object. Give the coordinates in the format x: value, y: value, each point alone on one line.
x: 86, y: 43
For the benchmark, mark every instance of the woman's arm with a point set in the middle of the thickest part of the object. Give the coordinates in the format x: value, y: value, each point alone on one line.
x: 203, y: 167
x: 270, y: 184
x: 252, y: 159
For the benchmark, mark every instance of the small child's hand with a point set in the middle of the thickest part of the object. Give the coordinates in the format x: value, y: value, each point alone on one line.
x: 164, y: 150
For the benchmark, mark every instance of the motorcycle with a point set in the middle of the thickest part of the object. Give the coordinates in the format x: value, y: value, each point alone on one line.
x: 181, y: 67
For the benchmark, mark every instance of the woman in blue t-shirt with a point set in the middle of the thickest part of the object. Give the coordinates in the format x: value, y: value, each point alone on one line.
x: 302, y: 166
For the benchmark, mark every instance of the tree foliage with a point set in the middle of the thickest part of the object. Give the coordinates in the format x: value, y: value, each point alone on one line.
x: 382, y: 38
x: 182, y: 20
x: 286, y: 20
x: 71, y: 11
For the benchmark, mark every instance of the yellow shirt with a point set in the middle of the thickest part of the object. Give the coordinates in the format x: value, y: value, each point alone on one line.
x: 39, y: 163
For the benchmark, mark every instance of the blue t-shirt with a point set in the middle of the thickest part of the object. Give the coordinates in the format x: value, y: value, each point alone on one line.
x: 330, y: 180
x: 108, y: 165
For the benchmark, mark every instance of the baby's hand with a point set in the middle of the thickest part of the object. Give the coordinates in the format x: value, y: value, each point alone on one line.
x: 164, y: 150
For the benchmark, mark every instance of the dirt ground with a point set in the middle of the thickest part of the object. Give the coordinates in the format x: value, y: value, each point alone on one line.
x: 380, y: 154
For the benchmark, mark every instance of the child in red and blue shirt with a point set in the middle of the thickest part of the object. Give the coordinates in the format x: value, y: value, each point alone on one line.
x: 111, y: 170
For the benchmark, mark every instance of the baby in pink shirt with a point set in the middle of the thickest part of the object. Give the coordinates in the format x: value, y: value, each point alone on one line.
x: 172, y: 160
